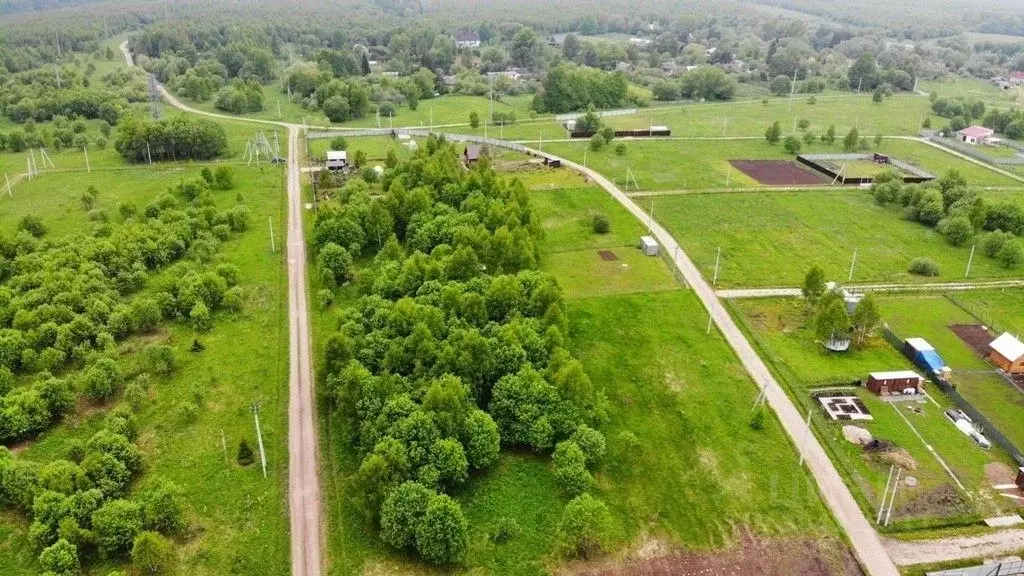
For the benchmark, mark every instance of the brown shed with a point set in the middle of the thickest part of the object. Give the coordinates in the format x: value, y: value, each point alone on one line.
x: 886, y: 383
x: 470, y: 154
x: 1020, y: 477
x: 1007, y: 353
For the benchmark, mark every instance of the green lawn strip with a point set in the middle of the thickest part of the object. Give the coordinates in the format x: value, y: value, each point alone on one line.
x: 583, y: 273
x: 238, y: 519
x: 970, y: 88
x: 567, y: 219
x: 696, y: 471
x: 771, y: 239
x: 551, y: 179
x: 778, y: 328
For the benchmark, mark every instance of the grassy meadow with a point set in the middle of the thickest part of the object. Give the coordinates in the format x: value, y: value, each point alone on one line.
x: 771, y: 239
x: 704, y: 164
x: 237, y: 519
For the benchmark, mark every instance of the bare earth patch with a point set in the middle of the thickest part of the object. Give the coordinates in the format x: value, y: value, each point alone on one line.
x: 778, y: 172
x: 751, y: 555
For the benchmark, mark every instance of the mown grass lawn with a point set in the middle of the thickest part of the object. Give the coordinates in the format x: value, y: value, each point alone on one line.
x: 900, y: 115
x: 696, y: 472
x: 772, y: 239
x: 566, y: 217
x: 237, y: 519
x: 781, y: 330
x: 929, y: 317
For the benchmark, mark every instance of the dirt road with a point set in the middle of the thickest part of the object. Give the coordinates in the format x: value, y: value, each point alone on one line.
x: 994, y: 545
x: 303, y: 482
x: 863, y: 538
x: 889, y: 288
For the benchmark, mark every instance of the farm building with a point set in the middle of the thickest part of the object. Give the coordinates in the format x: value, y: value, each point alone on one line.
x: 337, y: 160
x: 1008, y: 354
x: 897, y: 382
x: 471, y: 154
x: 467, y: 39
x: 1016, y: 77
x: 649, y: 245
x: 924, y: 355
x: 976, y: 135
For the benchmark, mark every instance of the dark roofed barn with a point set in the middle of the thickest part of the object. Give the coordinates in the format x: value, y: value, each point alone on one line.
x: 471, y: 154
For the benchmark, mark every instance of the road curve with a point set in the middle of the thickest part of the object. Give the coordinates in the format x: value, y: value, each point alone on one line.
x: 303, y: 481
x: 863, y: 538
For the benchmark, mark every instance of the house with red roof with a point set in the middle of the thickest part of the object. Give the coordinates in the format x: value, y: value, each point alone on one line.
x: 976, y: 134
x: 1016, y: 77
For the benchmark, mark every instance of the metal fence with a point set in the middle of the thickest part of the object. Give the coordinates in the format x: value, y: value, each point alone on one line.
x: 1012, y: 568
x: 989, y: 429
x: 974, y: 151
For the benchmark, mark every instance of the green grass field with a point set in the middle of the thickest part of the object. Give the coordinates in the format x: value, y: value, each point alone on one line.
x: 1001, y: 310
x: 771, y: 239
x: 857, y: 168
x: 704, y: 164
x: 900, y: 115
x: 970, y: 88
x: 781, y: 332
x: 237, y: 519
x: 929, y: 317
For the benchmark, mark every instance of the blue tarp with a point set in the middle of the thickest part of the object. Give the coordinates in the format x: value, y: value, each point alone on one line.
x: 930, y: 360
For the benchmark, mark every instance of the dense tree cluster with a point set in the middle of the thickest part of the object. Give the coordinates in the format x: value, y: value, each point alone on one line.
x: 79, y: 506
x: 454, y: 349
x: 957, y: 213
x: 240, y: 97
x: 181, y: 137
x: 569, y: 88
x: 64, y: 303
x: 962, y: 113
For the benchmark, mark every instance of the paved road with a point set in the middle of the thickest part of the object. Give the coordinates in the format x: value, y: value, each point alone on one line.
x: 927, y: 287
x: 863, y: 538
x: 303, y: 482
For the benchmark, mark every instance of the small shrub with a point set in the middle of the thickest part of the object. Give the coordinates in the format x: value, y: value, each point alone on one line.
x: 597, y: 142
x: 600, y: 224
x: 757, y: 420
x: 620, y: 149
x: 504, y: 530
x: 324, y: 298
x: 803, y: 124
x: 923, y: 267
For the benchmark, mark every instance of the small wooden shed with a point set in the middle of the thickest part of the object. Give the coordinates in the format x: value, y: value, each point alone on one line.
x: 1020, y: 477
x: 895, y: 382
x: 471, y: 154
x: 1007, y: 353
x: 337, y: 160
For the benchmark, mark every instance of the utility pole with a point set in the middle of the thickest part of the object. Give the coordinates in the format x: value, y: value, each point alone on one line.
x: 892, y: 498
x: 885, y: 494
x: 718, y: 259
x: 86, y: 152
x: 56, y: 72
x: 970, y: 260
x: 149, y: 156
x: 259, y: 436
x: 8, y: 182
x: 224, y: 446
x: 541, y: 140
x: 807, y: 432
x: 270, y: 221
x: 852, y: 264
x: 278, y: 108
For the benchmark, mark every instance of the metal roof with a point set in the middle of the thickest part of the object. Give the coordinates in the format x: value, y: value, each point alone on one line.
x: 977, y: 132
x: 895, y: 375
x: 919, y: 344
x: 337, y: 155
x: 1008, y: 347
